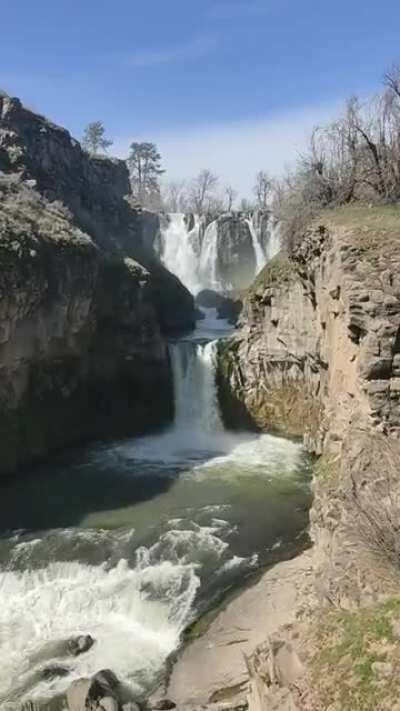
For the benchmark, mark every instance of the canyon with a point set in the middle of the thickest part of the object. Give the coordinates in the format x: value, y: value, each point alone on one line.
x: 142, y: 537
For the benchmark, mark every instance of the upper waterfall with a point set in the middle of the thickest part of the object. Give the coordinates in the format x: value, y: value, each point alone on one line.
x: 259, y: 252
x: 181, y: 248
x: 223, y: 254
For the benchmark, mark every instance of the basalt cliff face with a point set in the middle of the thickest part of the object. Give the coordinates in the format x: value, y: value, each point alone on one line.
x: 84, y: 304
x: 318, y: 356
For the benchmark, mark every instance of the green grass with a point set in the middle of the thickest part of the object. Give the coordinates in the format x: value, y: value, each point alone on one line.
x: 279, y: 270
x: 348, y: 644
x: 384, y: 219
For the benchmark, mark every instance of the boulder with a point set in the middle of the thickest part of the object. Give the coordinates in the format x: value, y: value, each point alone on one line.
x: 230, y: 309
x: 161, y: 705
x: 209, y: 299
x: 79, y: 645
x: 109, y: 703
x: 53, y: 671
x: 99, y: 692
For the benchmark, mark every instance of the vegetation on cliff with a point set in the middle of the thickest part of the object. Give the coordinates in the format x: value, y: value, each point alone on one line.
x: 354, y: 159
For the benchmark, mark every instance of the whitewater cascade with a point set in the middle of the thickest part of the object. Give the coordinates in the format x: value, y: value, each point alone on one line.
x: 193, y: 254
x: 181, y: 250
x: 257, y: 246
x: 195, y: 390
x: 274, y: 240
x: 209, y: 258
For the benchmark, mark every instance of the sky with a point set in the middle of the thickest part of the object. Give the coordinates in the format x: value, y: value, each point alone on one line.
x: 230, y: 85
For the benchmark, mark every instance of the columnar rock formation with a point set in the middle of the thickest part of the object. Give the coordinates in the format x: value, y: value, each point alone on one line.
x: 318, y: 355
x: 84, y: 303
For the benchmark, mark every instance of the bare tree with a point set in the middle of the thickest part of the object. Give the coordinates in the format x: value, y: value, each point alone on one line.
x: 246, y: 205
x: 202, y: 192
x: 353, y: 159
x: 230, y: 197
x: 262, y: 188
x: 391, y: 79
x: 94, y: 139
x: 174, y: 196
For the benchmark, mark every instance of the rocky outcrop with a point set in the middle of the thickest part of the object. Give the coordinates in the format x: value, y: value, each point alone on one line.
x: 317, y: 356
x: 227, y: 307
x: 84, y: 304
x: 325, y: 325
x: 236, y: 258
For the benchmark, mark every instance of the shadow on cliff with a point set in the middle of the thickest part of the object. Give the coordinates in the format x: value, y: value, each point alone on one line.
x: 74, y: 485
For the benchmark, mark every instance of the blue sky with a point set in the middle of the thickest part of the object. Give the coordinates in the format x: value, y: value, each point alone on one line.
x: 205, y: 79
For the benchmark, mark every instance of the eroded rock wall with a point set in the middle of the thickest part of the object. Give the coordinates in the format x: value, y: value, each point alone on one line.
x: 317, y: 356
x: 85, y: 306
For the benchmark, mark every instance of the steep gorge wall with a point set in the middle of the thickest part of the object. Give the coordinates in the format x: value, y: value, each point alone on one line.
x: 84, y: 304
x: 318, y: 356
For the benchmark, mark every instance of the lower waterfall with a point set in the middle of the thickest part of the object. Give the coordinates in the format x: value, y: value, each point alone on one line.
x: 196, y: 400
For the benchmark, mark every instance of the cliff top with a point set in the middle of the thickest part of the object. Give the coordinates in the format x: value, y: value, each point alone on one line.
x: 371, y: 227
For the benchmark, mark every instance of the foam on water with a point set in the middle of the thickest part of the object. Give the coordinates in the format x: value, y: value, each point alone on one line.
x: 136, y: 616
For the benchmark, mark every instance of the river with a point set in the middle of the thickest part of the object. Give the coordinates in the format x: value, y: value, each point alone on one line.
x: 130, y: 541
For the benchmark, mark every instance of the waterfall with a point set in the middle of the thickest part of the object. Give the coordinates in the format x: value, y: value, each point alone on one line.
x: 209, y: 258
x: 257, y: 246
x: 274, y: 239
x: 195, y: 390
x: 181, y: 250
x: 193, y: 258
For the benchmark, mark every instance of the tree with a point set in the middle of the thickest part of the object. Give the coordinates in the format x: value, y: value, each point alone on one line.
x: 262, y: 188
x: 202, y: 193
x: 144, y: 163
x: 174, y: 196
x: 94, y: 139
x: 230, y: 196
x: 246, y: 205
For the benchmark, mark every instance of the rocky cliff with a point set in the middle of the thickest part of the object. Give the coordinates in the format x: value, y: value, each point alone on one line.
x: 84, y: 304
x: 318, y: 356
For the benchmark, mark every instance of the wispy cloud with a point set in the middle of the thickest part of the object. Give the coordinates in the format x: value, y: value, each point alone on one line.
x: 192, y: 49
x: 231, y: 10
x: 236, y: 150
